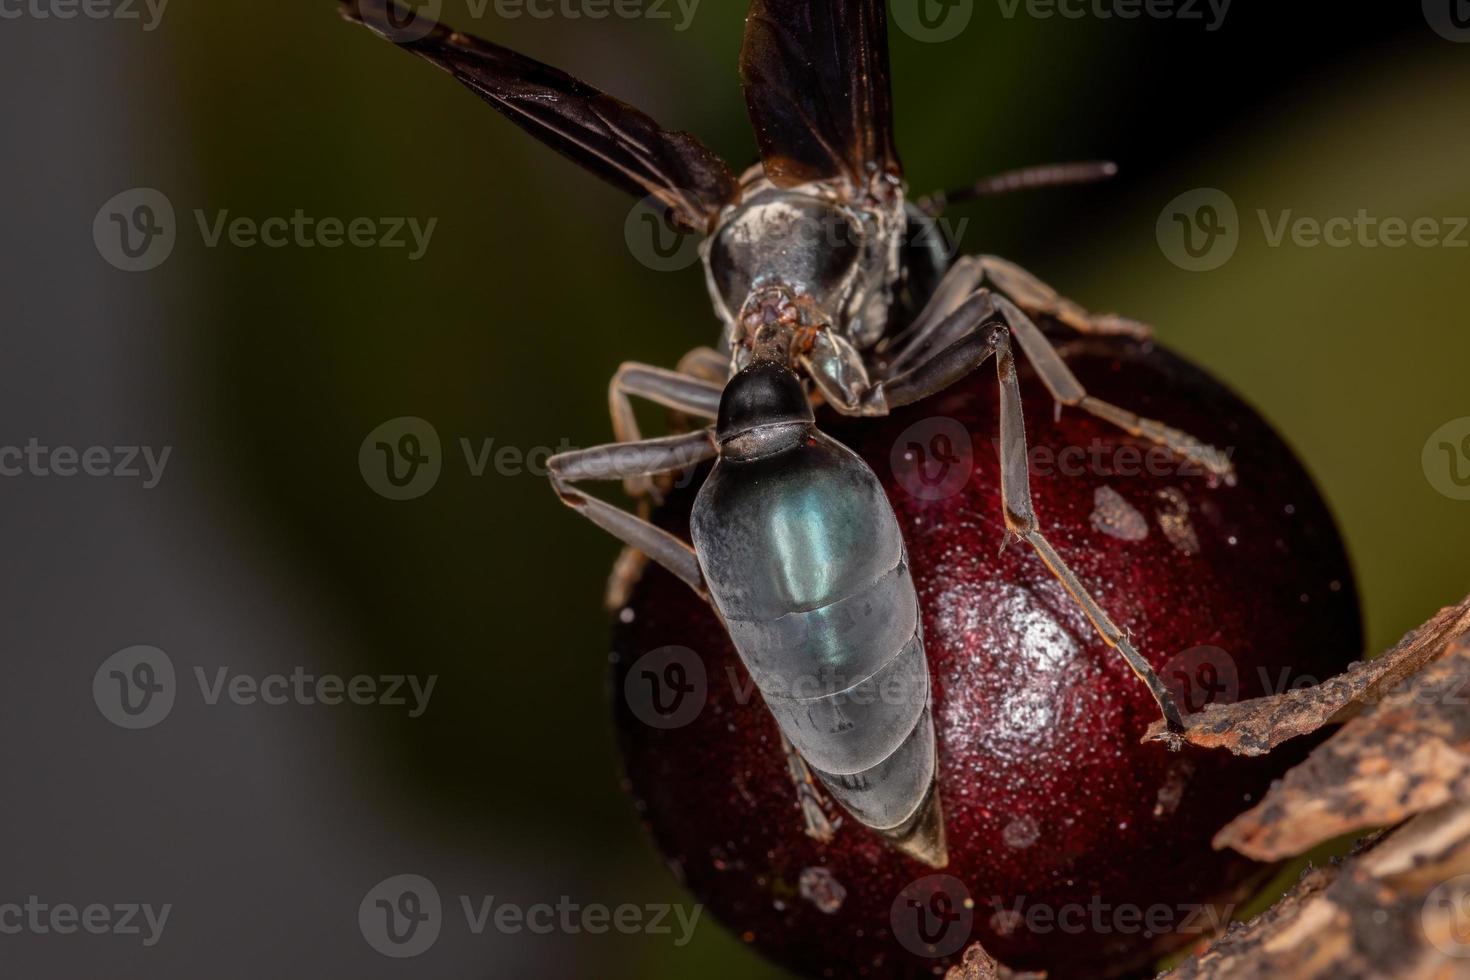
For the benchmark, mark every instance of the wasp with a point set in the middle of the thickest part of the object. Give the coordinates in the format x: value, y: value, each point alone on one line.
x: 831, y: 287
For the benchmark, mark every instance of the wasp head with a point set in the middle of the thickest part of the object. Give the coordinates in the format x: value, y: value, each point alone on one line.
x: 837, y: 259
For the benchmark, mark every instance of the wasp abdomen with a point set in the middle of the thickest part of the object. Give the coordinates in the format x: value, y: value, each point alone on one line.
x: 805, y: 561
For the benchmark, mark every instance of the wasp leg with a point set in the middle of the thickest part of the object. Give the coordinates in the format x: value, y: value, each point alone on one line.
x: 1067, y: 390
x: 1020, y: 518
x: 619, y: 461
x: 687, y: 390
x: 818, y: 826
x: 971, y: 272
x: 983, y: 305
x: 681, y: 392
x: 706, y: 363
x: 947, y: 367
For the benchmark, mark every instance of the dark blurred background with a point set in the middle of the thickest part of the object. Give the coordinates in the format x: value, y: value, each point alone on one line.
x: 264, y: 549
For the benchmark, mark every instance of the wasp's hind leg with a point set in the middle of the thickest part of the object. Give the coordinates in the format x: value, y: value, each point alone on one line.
x: 818, y: 826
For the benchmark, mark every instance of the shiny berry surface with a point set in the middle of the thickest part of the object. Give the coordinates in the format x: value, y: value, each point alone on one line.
x: 1073, y: 848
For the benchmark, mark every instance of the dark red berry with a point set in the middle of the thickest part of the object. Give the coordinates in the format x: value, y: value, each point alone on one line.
x: 1073, y: 848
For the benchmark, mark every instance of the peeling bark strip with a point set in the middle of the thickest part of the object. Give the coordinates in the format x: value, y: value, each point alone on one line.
x: 1408, y: 755
x: 1257, y: 726
x: 1394, y: 908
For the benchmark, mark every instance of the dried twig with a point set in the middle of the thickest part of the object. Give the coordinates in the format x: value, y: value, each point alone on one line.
x: 1397, y: 908
x: 1257, y: 726
x: 1405, y: 756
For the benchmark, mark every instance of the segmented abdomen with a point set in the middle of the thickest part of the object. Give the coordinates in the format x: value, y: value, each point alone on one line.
x: 806, y: 563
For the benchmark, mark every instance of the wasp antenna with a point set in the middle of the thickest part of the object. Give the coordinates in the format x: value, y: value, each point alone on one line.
x: 1025, y: 179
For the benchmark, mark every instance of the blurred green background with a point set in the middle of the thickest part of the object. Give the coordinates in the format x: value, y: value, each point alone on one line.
x: 528, y: 298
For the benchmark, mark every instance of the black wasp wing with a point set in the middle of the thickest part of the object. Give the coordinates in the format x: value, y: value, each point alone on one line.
x: 608, y: 137
x: 817, y: 87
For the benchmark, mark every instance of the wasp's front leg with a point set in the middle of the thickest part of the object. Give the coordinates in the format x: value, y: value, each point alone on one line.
x: 676, y: 390
x: 924, y: 378
x: 971, y: 272
x: 694, y: 389
x: 621, y: 461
